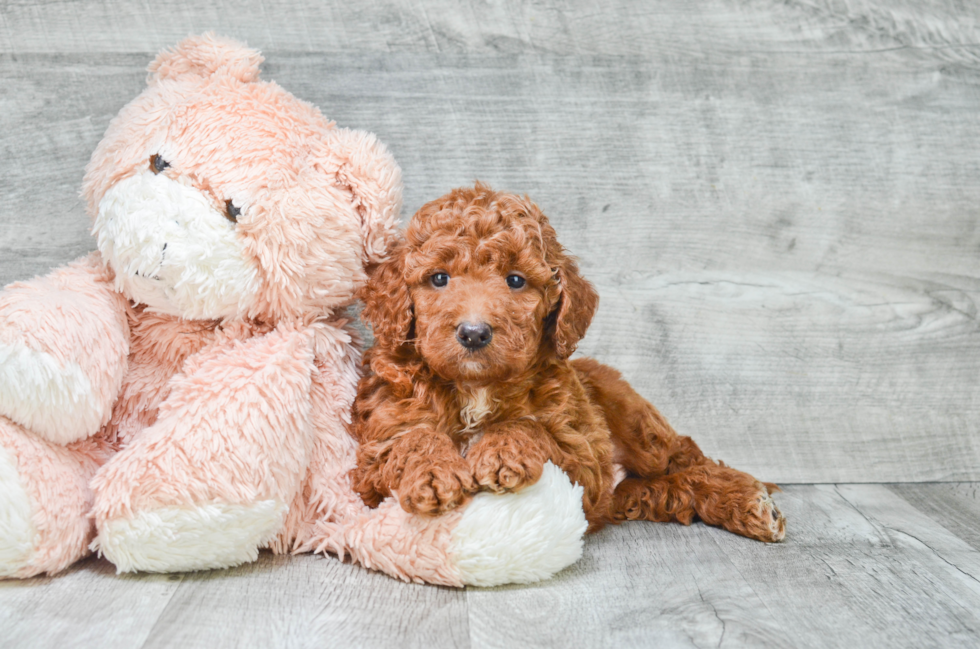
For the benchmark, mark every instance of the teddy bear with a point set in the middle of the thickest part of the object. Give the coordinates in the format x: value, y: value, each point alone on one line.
x: 179, y: 399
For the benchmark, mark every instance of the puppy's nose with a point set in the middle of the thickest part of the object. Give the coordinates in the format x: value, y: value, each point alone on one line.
x: 474, y: 336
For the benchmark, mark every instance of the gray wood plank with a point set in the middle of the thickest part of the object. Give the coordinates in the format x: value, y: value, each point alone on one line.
x: 54, y: 111
x: 308, y: 601
x: 904, y: 521
x: 805, y: 376
x: 955, y: 506
x: 301, y: 601
x: 85, y: 606
x: 564, y: 26
x: 853, y: 572
x: 638, y: 585
x: 859, y: 567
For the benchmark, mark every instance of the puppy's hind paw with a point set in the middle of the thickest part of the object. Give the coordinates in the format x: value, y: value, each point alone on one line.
x: 765, y: 522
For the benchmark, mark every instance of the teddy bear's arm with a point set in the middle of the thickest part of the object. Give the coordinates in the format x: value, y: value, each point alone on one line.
x: 64, y: 344
x: 326, y: 492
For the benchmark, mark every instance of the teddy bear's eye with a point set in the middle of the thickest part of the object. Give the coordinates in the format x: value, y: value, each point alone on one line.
x: 232, y: 212
x: 157, y: 163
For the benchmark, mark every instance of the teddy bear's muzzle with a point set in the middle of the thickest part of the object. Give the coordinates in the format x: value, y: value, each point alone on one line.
x: 172, y: 250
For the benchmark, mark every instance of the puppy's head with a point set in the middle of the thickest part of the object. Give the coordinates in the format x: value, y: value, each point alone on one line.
x: 480, y: 288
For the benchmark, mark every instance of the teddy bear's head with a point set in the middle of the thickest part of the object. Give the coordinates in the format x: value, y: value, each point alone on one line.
x: 216, y: 195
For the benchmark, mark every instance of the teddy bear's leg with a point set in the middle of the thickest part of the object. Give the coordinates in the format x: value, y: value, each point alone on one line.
x: 44, y: 501
x: 210, y: 482
x: 495, y: 539
x: 64, y: 341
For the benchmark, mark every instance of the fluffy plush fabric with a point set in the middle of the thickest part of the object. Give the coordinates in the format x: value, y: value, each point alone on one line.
x: 52, y: 482
x: 15, y: 515
x: 470, y: 388
x: 63, y: 346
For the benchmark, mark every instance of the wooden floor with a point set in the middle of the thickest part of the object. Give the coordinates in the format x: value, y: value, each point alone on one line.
x: 862, y: 566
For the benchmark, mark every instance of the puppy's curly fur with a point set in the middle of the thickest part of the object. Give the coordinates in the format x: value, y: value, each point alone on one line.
x: 442, y: 412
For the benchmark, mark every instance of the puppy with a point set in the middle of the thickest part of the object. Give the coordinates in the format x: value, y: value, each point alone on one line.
x: 469, y: 385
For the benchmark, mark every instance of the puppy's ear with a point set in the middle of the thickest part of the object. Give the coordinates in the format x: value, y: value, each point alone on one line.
x: 387, y: 302
x: 577, y: 303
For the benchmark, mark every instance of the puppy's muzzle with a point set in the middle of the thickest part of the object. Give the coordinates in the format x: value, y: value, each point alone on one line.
x: 474, y: 336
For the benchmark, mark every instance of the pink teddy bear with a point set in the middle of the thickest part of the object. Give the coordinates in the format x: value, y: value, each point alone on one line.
x: 233, y: 221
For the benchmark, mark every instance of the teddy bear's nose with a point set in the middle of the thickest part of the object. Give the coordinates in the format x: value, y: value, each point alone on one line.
x: 474, y: 335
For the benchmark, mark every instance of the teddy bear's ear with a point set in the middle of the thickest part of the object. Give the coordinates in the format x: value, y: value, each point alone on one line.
x: 375, y: 181
x: 204, y: 56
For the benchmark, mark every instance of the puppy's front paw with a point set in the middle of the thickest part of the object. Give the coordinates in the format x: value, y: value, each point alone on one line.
x: 500, y: 463
x: 433, y: 489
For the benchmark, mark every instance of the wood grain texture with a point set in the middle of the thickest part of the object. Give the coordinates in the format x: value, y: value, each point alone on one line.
x: 87, y: 605
x: 855, y: 570
x: 861, y: 566
x: 947, y: 27
x: 308, y: 601
x: 779, y: 202
x: 302, y: 601
x: 956, y: 506
x: 663, y: 586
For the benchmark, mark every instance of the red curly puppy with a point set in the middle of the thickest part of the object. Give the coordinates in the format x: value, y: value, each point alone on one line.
x: 469, y: 386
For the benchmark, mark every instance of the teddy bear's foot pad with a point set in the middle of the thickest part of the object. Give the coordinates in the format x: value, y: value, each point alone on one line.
x: 55, y: 400
x: 16, y: 529
x: 179, y: 539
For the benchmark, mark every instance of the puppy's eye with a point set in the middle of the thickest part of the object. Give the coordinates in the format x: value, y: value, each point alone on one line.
x: 157, y: 163
x: 516, y: 281
x: 231, y: 212
x: 439, y: 280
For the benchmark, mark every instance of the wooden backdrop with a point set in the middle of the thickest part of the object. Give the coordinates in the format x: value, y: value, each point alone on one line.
x: 779, y: 200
